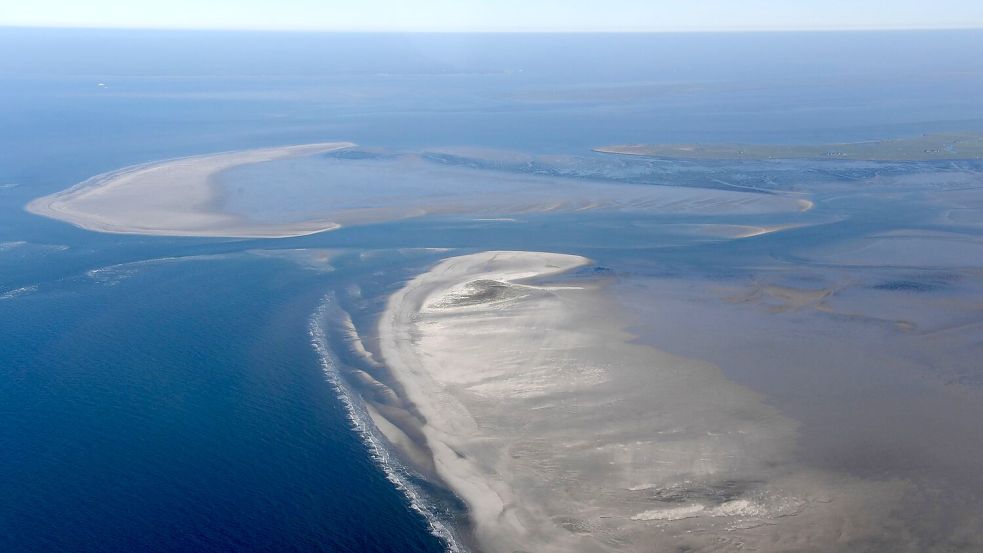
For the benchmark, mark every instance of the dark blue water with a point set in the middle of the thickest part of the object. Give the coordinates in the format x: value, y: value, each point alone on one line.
x: 177, y: 405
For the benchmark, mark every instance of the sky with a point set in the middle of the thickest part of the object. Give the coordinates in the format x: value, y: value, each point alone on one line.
x: 497, y: 15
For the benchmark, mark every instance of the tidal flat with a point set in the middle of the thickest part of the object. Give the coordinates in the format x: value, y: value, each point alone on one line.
x: 304, y: 189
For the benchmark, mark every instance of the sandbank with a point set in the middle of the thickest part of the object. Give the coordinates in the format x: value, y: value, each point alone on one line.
x: 291, y: 191
x: 175, y: 197
x: 561, y: 434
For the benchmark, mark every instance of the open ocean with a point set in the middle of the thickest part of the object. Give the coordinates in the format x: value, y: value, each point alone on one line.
x: 167, y: 394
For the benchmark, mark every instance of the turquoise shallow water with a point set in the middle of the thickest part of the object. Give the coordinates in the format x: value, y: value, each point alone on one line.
x: 162, y: 394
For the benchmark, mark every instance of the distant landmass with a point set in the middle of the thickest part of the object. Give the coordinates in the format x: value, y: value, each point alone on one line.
x: 923, y: 148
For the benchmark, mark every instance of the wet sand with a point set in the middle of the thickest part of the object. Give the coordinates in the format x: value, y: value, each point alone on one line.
x: 560, y: 433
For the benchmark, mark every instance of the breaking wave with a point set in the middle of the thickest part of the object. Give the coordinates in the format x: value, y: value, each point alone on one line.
x: 358, y: 416
x: 18, y: 292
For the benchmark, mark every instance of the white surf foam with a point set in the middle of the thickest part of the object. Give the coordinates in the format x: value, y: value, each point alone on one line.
x: 112, y: 275
x: 358, y: 416
x: 18, y: 292
x: 20, y: 245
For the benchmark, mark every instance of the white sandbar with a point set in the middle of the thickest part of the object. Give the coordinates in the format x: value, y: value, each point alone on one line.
x: 174, y: 198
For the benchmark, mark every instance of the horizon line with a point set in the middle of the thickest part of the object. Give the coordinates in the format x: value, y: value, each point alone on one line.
x: 368, y: 30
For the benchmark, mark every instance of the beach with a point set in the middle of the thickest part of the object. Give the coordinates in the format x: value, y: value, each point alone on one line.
x: 174, y: 198
x: 561, y: 434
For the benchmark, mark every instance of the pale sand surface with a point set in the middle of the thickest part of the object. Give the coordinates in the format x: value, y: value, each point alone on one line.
x: 714, y: 230
x: 174, y: 198
x: 562, y: 434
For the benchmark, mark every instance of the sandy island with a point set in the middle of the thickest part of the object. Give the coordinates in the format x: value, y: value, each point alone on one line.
x: 291, y: 191
x: 561, y: 434
x: 176, y: 197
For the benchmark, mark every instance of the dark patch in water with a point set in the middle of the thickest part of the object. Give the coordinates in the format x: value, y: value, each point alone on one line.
x: 483, y: 291
x: 717, y: 493
x: 354, y: 154
x: 904, y: 285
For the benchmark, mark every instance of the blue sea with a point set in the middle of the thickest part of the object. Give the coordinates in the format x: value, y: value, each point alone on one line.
x: 177, y: 394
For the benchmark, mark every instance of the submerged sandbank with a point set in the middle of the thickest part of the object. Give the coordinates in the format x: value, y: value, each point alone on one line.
x: 176, y: 197
x: 561, y: 434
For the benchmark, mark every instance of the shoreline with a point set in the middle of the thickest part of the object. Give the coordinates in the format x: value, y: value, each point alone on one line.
x: 178, y: 196
x: 445, y: 419
x: 365, y: 423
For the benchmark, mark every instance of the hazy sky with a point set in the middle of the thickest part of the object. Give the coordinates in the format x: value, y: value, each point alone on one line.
x: 498, y: 15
